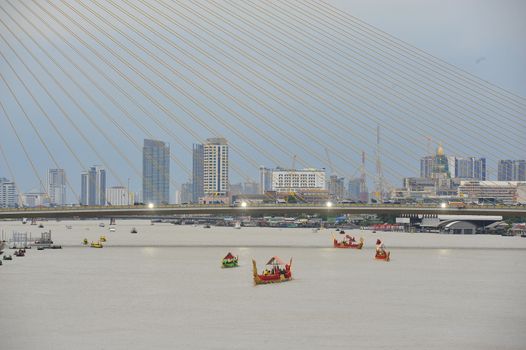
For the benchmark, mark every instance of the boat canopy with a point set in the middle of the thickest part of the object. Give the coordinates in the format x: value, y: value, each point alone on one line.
x: 229, y: 256
x: 275, y: 261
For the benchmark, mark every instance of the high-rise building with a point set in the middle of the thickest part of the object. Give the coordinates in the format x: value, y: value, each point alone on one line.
x: 56, y: 186
x: 118, y: 195
x: 479, y: 169
x: 512, y: 170
x: 265, y: 180
x: 186, y: 193
x: 8, y: 193
x: 198, y: 155
x: 354, y: 189
x: 93, y: 186
x: 156, y: 172
x: 84, y: 188
x: 215, y: 167
x: 505, y: 170
x: 519, y: 170
x: 470, y: 168
x: 336, y: 186
x: 440, y: 168
x: 426, y: 166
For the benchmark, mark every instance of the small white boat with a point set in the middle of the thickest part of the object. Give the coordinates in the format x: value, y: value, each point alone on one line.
x: 112, y: 229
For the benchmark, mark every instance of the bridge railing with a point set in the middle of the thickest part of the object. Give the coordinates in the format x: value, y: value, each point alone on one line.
x: 259, y: 205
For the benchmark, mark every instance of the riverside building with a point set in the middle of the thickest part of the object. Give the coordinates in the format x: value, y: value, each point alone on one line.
x: 93, y: 186
x: 215, y: 166
x: 56, y: 186
x: 156, y: 172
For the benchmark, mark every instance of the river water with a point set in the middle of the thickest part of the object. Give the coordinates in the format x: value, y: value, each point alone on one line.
x: 163, y: 288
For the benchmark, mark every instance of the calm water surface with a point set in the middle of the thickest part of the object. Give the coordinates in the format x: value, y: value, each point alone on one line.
x: 164, y: 289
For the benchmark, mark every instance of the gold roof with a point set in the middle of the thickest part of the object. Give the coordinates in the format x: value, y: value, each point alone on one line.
x: 440, y: 150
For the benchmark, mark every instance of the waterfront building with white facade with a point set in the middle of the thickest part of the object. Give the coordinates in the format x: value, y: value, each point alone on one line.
x: 119, y: 195
x: 296, y: 180
x: 215, y: 167
x: 8, y: 193
x: 506, y: 192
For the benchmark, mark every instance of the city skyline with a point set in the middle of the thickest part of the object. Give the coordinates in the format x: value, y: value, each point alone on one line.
x: 94, y: 187
x: 263, y: 127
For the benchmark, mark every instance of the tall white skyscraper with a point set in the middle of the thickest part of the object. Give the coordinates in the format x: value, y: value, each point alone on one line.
x: 56, y: 186
x: 215, y: 167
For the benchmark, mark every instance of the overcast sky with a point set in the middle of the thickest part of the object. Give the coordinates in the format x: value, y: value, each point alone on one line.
x: 484, y: 37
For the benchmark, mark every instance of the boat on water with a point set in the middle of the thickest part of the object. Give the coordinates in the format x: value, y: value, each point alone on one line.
x: 384, y: 255
x: 20, y: 252
x: 101, y: 224
x: 237, y: 225
x: 275, y: 271
x: 96, y: 245
x: 85, y: 241
x: 112, y: 229
x: 102, y: 238
x: 347, y: 242
x: 229, y: 261
x: 41, y: 226
x: 7, y: 257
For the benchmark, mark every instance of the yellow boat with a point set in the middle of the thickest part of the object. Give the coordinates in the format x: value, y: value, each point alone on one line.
x: 96, y: 245
x: 102, y: 239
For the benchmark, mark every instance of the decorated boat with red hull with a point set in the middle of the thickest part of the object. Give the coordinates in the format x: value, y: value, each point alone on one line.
x: 347, y: 243
x: 229, y: 261
x: 385, y: 255
x: 275, y: 271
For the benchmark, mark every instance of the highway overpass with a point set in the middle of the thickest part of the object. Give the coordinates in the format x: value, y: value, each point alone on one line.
x: 256, y: 210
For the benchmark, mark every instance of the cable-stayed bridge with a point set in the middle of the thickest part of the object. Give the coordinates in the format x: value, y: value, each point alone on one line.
x: 84, y: 83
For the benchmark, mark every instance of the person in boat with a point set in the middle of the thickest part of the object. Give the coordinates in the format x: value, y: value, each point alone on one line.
x: 380, y: 247
x: 350, y: 239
